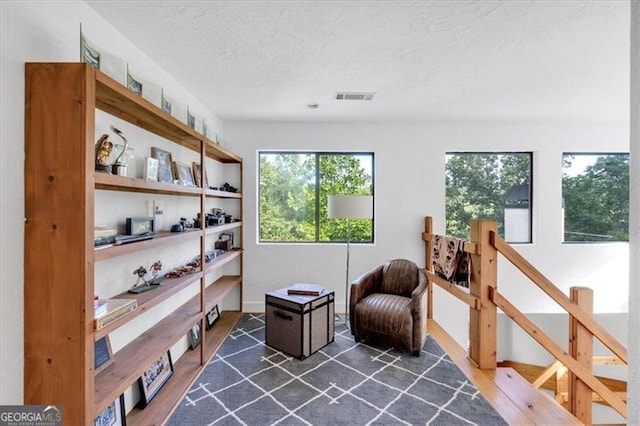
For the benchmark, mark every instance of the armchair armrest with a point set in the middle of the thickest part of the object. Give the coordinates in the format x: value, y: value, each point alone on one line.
x: 419, y: 310
x: 364, y: 285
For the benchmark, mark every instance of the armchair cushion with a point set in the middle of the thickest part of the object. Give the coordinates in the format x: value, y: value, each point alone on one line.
x: 399, y: 277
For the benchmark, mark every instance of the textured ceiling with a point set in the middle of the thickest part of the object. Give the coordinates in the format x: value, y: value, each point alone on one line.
x: 438, y: 60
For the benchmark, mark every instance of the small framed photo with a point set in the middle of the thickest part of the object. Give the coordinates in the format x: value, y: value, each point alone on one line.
x: 212, y: 317
x: 165, y: 173
x: 151, y: 169
x: 183, y: 173
x: 134, y: 84
x: 113, y: 415
x: 154, y: 378
x: 166, y: 105
x: 198, y: 176
x: 191, y: 119
x: 102, y: 354
x: 195, y: 335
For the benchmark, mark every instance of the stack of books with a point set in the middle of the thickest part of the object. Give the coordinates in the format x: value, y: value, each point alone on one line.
x: 104, y: 237
x: 107, y: 311
x: 305, y: 289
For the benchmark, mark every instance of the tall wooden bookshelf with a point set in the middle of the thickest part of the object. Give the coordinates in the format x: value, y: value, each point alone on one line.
x: 60, y: 190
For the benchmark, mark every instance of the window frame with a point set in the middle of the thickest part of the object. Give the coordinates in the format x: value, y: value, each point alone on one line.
x: 563, y: 206
x: 531, y: 156
x: 317, y: 218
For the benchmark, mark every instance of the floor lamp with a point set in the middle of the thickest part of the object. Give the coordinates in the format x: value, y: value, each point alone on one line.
x: 349, y: 207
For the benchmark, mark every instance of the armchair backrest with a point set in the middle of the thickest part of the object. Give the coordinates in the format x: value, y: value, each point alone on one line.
x: 399, y: 276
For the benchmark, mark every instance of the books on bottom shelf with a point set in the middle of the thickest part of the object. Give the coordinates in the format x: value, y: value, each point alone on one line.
x: 305, y: 289
x: 115, y: 309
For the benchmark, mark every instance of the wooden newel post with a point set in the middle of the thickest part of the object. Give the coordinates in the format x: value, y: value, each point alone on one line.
x: 484, y: 274
x: 581, y: 349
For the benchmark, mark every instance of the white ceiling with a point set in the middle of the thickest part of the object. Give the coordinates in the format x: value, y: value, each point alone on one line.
x: 426, y: 60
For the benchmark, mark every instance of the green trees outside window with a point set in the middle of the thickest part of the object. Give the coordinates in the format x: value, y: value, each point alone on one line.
x: 489, y: 185
x: 595, y: 191
x: 293, y: 190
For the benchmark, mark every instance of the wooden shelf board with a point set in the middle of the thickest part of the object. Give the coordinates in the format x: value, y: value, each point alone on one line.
x: 168, y: 288
x: 109, y: 182
x: 132, y: 360
x: 223, y: 155
x: 217, y: 291
x: 161, y: 238
x: 114, y: 98
x: 186, y: 371
x: 214, y: 193
x: 221, y: 260
x: 146, y: 301
x: 220, y: 228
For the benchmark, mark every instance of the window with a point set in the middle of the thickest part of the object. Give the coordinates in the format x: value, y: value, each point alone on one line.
x: 489, y: 185
x: 293, y: 190
x: 595, y: 195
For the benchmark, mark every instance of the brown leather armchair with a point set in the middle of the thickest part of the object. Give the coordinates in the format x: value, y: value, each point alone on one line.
x: 388, y: 306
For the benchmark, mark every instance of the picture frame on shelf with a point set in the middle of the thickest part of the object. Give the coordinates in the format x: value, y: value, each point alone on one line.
x: 102, y: 60
x: 165, y: 104
x: 102, y: 354
x: 212, y: 317
x: 198, y: 175
x: 154, y: 378
x: 182, y: 172
x: 89, y: 53
x: 151, y: 169
x: 195, y: 336
x: 165, y: 171
x: 113, y: 415
x: 134, y: 84
x: 191, y: 119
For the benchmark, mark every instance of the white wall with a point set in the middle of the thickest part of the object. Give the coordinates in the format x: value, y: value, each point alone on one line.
x: 49, y: 32
x: 410, y: 162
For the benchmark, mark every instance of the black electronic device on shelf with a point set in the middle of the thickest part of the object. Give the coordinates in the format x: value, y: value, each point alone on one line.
x: 126, y: 239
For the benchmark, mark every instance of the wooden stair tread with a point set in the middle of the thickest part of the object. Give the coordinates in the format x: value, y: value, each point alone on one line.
x: 539, y: 407
x: 498, y: 399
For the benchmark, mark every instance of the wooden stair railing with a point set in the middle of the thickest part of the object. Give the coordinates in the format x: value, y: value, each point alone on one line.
x: 484, y: 299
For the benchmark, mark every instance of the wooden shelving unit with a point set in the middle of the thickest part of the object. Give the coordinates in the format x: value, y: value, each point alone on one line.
x: 60, y: 191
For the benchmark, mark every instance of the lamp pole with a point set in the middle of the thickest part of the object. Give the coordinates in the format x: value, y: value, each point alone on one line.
x: 346, y: 287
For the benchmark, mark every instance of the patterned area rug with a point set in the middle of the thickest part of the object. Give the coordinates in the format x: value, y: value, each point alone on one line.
x: 345, y: 383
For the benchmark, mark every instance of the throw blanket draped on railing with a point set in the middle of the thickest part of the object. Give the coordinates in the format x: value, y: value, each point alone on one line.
x: 450, y: 261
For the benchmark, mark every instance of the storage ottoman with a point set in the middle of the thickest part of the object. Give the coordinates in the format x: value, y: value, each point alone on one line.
x: 299, y: 325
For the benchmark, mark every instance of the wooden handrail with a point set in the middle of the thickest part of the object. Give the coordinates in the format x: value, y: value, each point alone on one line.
x: 552, y: 347
x: 467, y: 298
x: 559, y: 297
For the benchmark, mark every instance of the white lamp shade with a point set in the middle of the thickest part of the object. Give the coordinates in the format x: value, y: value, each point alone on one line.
x: 350, y: 207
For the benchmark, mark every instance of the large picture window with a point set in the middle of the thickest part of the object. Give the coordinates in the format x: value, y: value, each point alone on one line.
x: 293, y: 190
x: 489, y: 185
x: 595, y: 194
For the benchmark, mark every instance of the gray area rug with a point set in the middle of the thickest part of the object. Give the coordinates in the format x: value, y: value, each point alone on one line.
x: 345, y: 383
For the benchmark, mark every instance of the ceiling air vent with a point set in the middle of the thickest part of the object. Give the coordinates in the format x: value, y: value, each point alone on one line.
x: 355, y: 96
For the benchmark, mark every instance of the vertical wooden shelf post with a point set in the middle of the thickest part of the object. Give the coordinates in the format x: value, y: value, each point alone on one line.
x: 58, y: 265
